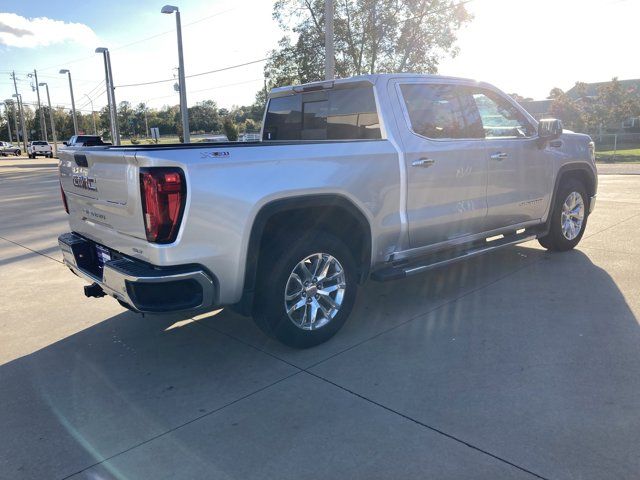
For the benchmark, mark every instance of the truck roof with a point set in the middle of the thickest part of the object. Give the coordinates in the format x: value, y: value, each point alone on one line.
x: 372, y: 79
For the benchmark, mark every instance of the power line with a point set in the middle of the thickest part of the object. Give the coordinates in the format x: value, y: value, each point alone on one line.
x: 195, y: 74
x: 77, y: 60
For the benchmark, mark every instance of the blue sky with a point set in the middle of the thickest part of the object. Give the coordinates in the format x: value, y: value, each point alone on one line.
x: 522, y: 46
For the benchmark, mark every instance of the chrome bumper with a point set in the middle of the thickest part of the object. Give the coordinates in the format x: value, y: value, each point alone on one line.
x: 592, y: 203
x: 145, y: 288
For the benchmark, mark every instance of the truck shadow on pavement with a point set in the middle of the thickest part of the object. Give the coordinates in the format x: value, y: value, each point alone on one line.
x: 472, y: 346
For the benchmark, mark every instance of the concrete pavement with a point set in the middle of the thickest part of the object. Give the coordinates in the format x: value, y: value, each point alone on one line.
x: 520, y: 364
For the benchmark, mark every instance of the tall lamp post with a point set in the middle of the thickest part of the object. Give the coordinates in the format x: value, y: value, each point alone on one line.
x: 53, y: 123
x: 111, y: 95
x: 93, y: 115
x: 169, y: 9
x: 22, y: 124
x: 43, y: 125
x: 73, y: 102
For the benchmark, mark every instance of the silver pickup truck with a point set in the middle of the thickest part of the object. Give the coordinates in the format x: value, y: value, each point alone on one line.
x: 373, y: 177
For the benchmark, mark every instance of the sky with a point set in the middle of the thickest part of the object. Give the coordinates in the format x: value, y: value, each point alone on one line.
x: 521, y: 46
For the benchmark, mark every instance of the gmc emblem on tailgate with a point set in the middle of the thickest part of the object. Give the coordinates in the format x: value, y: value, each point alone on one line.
x: 82, y: 181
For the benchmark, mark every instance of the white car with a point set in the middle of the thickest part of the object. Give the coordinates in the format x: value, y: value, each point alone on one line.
x: 39, y: 147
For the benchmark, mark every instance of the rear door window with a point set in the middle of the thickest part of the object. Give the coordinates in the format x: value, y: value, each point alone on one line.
x: 441, y: 112
x: 341, y: 114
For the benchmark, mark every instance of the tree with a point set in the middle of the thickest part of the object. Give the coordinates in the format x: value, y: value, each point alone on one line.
x: 371, y: 36
x: 230, y: 129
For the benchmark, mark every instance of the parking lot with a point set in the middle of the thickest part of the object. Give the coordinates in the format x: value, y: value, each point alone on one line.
x: 519, y: 364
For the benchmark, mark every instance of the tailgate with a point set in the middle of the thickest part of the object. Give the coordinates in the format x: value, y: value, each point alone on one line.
x: 103, y: 192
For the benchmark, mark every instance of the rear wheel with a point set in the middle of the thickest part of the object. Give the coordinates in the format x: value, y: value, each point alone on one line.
x: 306, y: 290
x: 17, y: 153
x: 568, y: 218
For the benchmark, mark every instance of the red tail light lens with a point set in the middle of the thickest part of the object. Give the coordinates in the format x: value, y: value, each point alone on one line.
x: 64, y: 199
x: 163, y: 198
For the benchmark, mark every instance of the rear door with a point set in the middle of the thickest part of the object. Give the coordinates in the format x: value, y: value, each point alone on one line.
x: 520, y: 174
x: 446, y: 161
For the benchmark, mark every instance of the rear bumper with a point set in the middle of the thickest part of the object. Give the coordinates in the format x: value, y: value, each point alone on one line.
x: 144, y: 287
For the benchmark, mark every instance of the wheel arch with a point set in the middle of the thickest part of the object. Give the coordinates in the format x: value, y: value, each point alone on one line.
x: 580, y: 171
x: 331, y: 212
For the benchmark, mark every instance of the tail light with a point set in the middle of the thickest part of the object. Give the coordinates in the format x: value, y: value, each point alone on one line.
x: 163, y: 198
x: 64, y: 199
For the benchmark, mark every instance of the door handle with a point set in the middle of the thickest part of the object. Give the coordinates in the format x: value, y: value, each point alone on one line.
x: 499, y: 156
x: 423, y: 162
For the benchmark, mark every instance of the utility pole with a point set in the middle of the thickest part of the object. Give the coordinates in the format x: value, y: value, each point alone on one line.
x: 43, y: 124
x: 19, y: 99
x: 146, y: 122
x: 53, y: 123
x: 93, y: 115
x: 329, y: 54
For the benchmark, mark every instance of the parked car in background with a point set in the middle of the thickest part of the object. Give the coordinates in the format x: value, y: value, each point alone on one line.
x: 39, y: 147
x: 379, y: 176
x: 7, y: 148
x: 85, y: 141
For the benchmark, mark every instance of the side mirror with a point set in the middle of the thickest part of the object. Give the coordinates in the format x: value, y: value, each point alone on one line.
x: 66, y: 144
x: 549, y: 129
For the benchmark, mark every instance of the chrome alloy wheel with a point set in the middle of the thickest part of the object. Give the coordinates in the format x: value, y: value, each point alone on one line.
x: 572, y: 215
x: 315, y: 291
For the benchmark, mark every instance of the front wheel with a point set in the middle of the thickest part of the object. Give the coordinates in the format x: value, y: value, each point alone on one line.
x: 17, y: 153
x: 568, y: 218
x: 306, y: 290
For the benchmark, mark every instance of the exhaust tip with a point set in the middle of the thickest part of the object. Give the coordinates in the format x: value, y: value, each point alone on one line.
x: 94, y: 291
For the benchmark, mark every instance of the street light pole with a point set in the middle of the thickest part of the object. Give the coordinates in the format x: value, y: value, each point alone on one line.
x: 22, y: 124
x: 329, y: 54
x: 43, y: 124
x: 93, y: 115
x: 111, y: 95
x: 169, y: 9
x: 73, y: 102
x: 53, y: 123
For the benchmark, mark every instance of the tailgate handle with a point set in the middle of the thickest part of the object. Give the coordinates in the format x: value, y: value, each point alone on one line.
x: 81, y: 160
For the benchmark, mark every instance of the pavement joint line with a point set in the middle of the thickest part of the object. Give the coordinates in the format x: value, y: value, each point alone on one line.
x: 611, y: 226
x: 425, y: 425
x: 31, y: 250
x: 431, y: 310
x: 362, y: 397
x: 173, y: 429
x: 590, y: 247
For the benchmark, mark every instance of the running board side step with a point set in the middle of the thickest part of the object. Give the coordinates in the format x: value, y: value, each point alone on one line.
x: 441, y: 259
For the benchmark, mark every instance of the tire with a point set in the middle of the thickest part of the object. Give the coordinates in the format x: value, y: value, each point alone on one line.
x: 17, y: 153
x: 277, y: 278
x: 561, y: 239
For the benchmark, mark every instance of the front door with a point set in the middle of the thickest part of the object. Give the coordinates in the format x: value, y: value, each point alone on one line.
x: 446, y: 162
x: 520, y: 172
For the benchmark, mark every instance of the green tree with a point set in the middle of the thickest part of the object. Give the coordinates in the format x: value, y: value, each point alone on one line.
x: 371, y: 36
x: 230, y: 129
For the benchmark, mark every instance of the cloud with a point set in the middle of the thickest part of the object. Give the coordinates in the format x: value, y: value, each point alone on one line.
x: 23, y: 32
